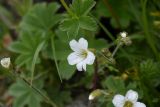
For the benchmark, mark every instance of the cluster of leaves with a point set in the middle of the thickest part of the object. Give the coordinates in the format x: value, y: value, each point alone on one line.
x: 42, y: 46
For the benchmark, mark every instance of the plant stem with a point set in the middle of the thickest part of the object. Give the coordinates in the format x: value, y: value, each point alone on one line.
x: 48, y: 100
x: 104, y: 29
x: 116, y: 49
x: 112, y: 12
x: 8, y: 23
x: 146, y: 29
x: 55, y: 58
x: 66, y: 7
x: 40, y: 46
x: 95, y: 78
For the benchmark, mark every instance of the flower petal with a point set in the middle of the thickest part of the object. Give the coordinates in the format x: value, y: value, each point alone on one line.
x: 132, y: 96
x: 83, y: 43
x: 74, y: 45
x: 118, y: 100
x: 73, y: 58
x: 90, y: 58
x: 84, y: 66
x: 138, y: 104
x: 80, y: 66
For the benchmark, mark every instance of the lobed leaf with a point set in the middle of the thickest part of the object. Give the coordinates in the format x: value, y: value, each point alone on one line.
x: 41, y: 17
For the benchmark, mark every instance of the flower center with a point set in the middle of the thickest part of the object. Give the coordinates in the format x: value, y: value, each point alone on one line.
x: 84, y: 53
x: 128, y: 104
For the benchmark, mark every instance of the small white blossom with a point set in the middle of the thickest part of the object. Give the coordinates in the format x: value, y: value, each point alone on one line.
x: 81, y: 55
x: 123, y: 34
x: 5, y: 62
x: 129, y: 100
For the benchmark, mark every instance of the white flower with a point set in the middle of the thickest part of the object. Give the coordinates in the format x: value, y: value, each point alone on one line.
x: 130, y: 100
x: 81, y: 55
x: 5, y: 62
x: 123, y: 34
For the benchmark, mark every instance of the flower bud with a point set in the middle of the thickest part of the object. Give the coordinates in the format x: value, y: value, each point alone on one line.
x: 124, y: 39
x: 5, y: 62
x: 94, y: 94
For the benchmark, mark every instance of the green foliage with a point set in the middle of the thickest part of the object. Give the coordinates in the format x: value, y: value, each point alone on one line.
x: 116, y: 10
x: 151, y: 71
x: 27, y: 47
x: 41, y: 18
x: 82, y: 7
x: 24, y: 95
x: 21, y: 6
x: 115, y: 85
x: 61, y: 97
x: 79, y: 19
x: 65, y: 70
x: 40, y: 34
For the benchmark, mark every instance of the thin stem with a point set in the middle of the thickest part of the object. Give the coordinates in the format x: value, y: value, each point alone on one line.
x: 38, y: 91
x: 146, y: 29
x: 116, y: 49
x: 95, y: 78
x: 55, y: 58
x: 48, y: 100
x: 112, y: 12
x: 7, y: 21
x: 104, y: 29
x: 66, y: 7
x: 35, y: 59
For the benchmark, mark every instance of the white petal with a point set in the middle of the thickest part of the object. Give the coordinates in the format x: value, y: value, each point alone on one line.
x: 73, y: 58
x: 74, y: 45
x: 84, y: 66
x: 132, y: 96
x: 80, y: 66
x: 90, y: 58
x: 138, y: 104
x: 118, y: 100
x: 5, y: 62
x: 83, y: 43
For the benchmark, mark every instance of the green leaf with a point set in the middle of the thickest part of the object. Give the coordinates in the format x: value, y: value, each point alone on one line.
x: 149, y: 71
x: 88, y: 23
x: 62, y: 50
x: 66, y: 70
x: 98, y: 43
x: 115, y: 85
x: 26, y: 47
x: 82, y: 7
x: 24, y: 95
x: 73, y: 24
x: 41, y: 17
